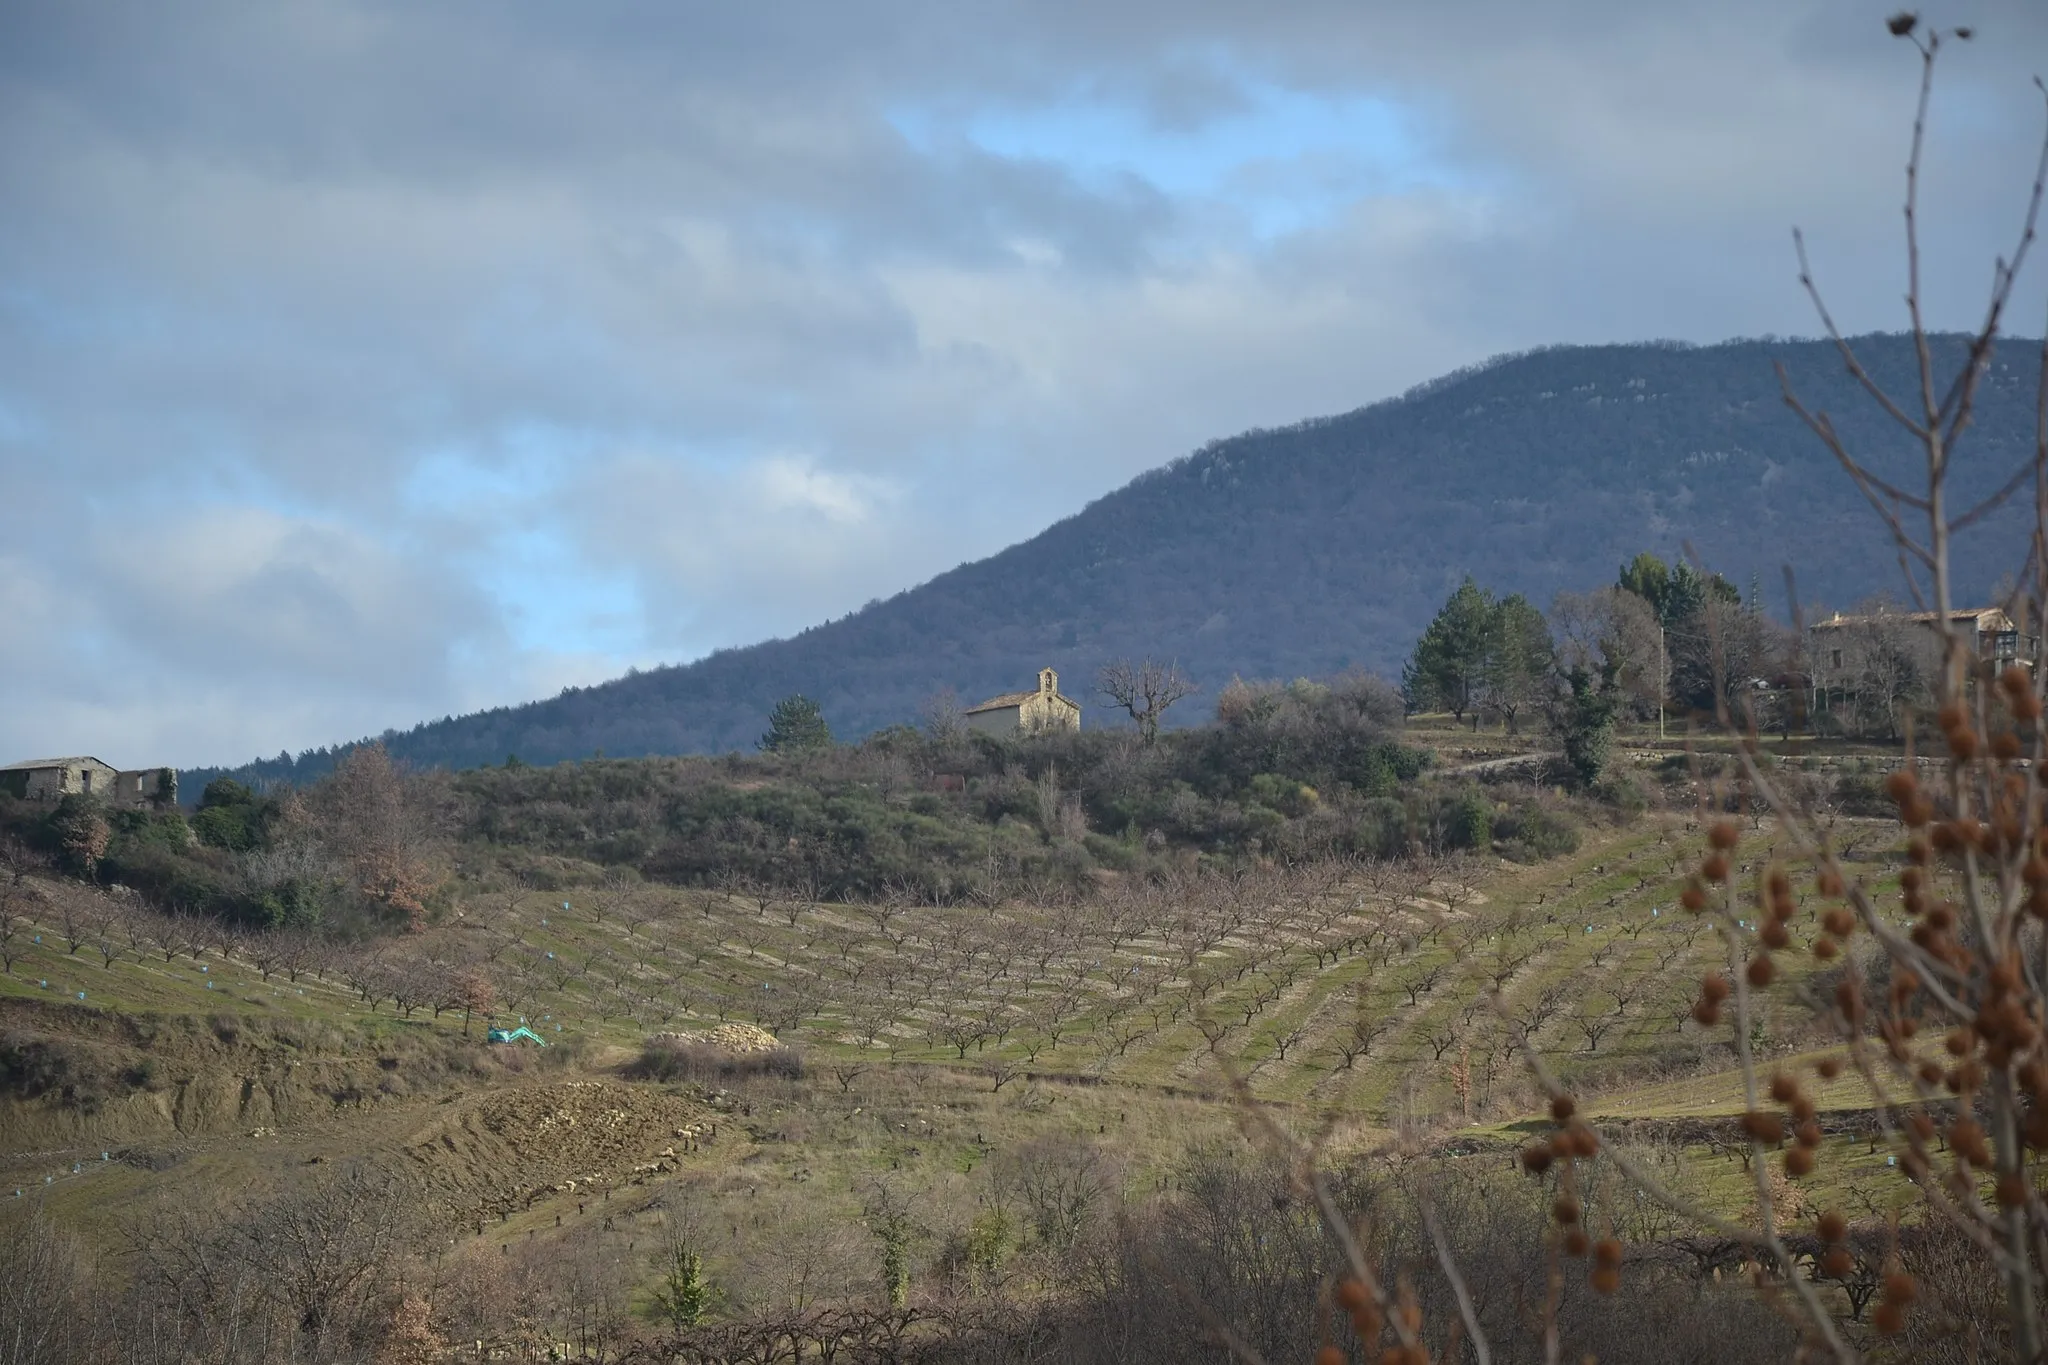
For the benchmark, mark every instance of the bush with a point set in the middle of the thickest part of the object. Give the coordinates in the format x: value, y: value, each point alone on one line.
x: 1287, y: 768
x: 1622, y: 793
x: 1471, y: 822
x: 705, y: 1064
x: 1382, y: 829
x: 1861, y: 792
x: 1533, y: 832
x: 231, y: 816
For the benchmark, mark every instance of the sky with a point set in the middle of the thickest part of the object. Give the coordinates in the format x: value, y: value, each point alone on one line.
x: 367, y: 361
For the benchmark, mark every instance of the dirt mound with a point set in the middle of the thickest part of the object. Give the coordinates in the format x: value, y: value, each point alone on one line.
x: 740, y: 1038
x: 502, y: 1151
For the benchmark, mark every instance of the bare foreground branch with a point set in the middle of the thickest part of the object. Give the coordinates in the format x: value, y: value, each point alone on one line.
x: 1972, y: 961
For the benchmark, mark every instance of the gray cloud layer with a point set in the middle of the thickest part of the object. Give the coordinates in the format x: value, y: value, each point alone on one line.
x: 361, y: 362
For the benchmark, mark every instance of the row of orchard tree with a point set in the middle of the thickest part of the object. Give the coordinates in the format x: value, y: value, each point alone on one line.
x: 1660, y: 639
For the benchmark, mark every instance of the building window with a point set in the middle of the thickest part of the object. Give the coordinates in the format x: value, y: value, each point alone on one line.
x: 1835, y: 659
x: 85, y: 779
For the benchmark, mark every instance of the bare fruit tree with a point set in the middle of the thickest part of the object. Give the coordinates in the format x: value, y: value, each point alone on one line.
x: 1145, y: 689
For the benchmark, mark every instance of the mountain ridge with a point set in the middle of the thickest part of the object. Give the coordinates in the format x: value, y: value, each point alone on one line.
x: 1328, y: 544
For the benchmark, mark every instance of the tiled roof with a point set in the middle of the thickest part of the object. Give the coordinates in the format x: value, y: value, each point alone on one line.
x: 1002, y: 703
x: 29, y: 763
x: 1976, y: 614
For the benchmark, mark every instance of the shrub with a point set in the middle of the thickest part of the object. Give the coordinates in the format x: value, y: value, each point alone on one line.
x: 1622, y: 793
x: 1382, y: 829
x: 706, y: 1064
x: 1471, y: 822
x: 1861, y: 792
x: 1532, y: 832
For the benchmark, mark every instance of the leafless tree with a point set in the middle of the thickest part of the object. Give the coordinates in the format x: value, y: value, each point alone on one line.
x: 1613, y: 632
x: 1443, y: 1035
x: 1422, y: 978
x: 1875, y: 663
x: 74, y: 923
x: 1366, y: 1027
x: 1595, y: 1023
x: 957, y: 1028
x: 1290, y: 1038
x: 1001, y: 1071
x: 1064, y: 1186
x: 300, y: 1272
x: 105, y: 940
x: 942, y: 717
x: 1145, y: 689
x: 17, y: 900
x: 48, y: 1296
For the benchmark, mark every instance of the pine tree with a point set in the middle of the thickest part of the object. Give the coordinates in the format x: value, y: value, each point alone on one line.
x: 796, y: 724
x: 1519, y: 658
x: 1448, y: 667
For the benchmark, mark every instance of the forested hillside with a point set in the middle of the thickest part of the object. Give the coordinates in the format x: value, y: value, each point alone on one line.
x: 1329, y: 545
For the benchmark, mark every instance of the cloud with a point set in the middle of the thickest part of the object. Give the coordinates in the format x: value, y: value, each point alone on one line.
x: 361, y: 362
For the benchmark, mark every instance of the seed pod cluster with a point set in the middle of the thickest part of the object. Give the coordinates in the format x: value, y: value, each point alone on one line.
x: 2016, y: 684
x: 1957, y: 731
x: 1836, y: 1262
x: 1778, y: 904
x: 1722, y: 836
x: 1713, y: 990
x: 1915, y: 810
x: 1606, y: 1275
x: 1573, y: 1141
x: 1358, y: 1304
x: 2006, y: 1017
x: 1899, y: 1290
x: 1806, y: 1134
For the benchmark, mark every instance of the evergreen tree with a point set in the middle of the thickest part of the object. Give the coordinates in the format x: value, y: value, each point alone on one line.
x: 1649, y: 578
x: 1676, y: 594
x: 796, y: 724
x: 1449, y: 665
x: 1584, y: 722
x: 1519, y: 658
x: 682, y: 1297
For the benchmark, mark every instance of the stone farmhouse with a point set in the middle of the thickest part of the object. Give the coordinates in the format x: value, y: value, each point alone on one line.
x: 1027, y: 712
x: 50, y: 779
x: 1878, y: 661
x: 1990, y: 633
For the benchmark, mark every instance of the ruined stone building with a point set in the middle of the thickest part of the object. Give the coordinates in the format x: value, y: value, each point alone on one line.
x: 1027, y: 712
x: 50, y: 779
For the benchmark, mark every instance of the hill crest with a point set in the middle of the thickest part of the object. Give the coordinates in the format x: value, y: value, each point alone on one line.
x: 1328, y: 544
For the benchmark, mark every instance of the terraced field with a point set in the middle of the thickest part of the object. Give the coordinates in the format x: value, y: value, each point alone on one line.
x: 161, y: 1068
x: 1365, y: 989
